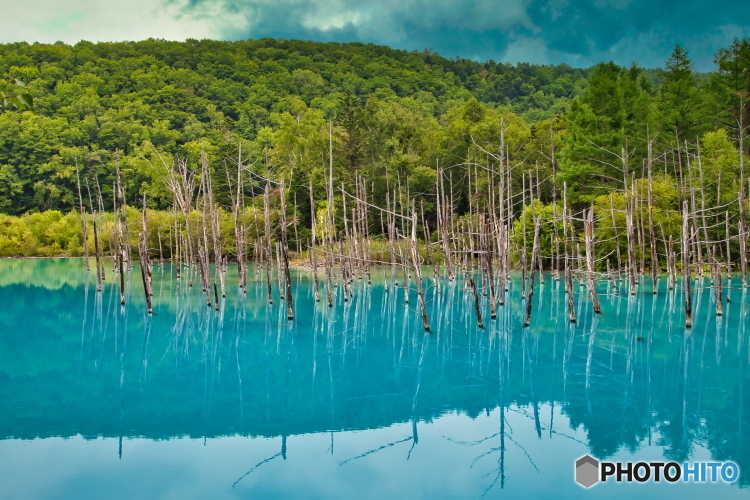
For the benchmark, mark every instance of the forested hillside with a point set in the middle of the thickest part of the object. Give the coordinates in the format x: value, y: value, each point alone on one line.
x: 92, y: 99
x: 390, y: 117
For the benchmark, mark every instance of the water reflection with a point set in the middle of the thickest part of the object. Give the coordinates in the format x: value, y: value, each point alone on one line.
x: 365, y: 378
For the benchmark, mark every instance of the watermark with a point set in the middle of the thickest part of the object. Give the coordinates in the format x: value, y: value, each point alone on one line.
x: 590, y: 471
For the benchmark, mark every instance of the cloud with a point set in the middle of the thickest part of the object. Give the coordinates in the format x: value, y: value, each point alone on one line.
x: 579, y: 32
x: 95, y: 20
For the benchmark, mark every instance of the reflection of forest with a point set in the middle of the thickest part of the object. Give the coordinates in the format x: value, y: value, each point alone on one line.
x: 72, y: 362
x: 52, y: 273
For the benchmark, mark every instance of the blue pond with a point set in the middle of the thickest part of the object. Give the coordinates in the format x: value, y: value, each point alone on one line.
x: 102, y: 401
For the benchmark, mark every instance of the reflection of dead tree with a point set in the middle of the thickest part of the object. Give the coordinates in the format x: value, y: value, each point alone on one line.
x: 420, y: 370
x: 254, y: 468
x: 375, y: 450
x: 545, y: 427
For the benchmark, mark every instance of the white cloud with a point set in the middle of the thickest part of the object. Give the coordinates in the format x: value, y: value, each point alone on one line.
x: 383, y: 21
x: 527, y: 49
x: 96, y: 20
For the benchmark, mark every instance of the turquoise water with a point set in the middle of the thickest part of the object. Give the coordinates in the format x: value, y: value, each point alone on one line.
x: 101, y: 401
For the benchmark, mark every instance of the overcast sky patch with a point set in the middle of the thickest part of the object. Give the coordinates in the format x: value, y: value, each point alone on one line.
x: 578, y: 32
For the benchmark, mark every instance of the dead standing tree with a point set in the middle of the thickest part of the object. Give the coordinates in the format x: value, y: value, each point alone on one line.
x: 121, y: 232
x: 686, y: 265
x: 417, y: 271
x: 84, y: 225
x: 267, y: 249
x: 530, y: 283
x: 313, y: 260
x: 568, y: 268
x: 144, y: 260
x: 97, y: 253
x: 285, y: 255
x: 237, y: 196
x: 181, y: 182
x: 590, y: 269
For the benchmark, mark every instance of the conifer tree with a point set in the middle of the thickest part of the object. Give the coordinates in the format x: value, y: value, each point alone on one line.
x: 351, y: 120
x: 734, y: 77
x: 679, y: 99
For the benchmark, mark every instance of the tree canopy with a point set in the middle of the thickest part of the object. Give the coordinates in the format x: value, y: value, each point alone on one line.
x: 390, y: 116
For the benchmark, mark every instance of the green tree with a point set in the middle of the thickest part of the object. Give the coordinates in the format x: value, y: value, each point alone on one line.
x: 596, y: 136
x: 680, y: 99
x: 351, y: 121
x: 12, y: 97
x: 733, y: 78
x: 720, y: 168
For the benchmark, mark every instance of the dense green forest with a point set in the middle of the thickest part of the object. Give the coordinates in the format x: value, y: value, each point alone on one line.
x: 92, y: 99
x: 390, y: 117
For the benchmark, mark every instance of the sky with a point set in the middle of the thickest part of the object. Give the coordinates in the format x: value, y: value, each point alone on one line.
x: 578, y: 32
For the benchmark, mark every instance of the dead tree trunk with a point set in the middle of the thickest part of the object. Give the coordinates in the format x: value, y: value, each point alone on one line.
x: 686, y: 264
x: 285, y: 257
x: 671, y: 264
x: 716, y: 271
x: 417, y: 270
x: 445, y: 219
x: 144, y: 229
x: 279, y: 270
x: 203, y: 269
x: 121, y: 231
x: 743, y: 238
x: 237, y: 197
x: 651, y: 229
x: 97, y: 254
x: 589, y: 233
x: 84, y: 226
x: 630, y: 229
x: 477, y: 310
x: 143, y: 255
x: 530, y: 285
x: 568, y: 271
x: 524, y: 251
x: 213, y: 214
x: 269, y: 255
x: 487, y: 254
x: 313, y: 260
x: 729, y: 259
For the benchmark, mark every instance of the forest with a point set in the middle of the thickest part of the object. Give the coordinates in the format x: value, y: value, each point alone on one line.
x: 330, y: 119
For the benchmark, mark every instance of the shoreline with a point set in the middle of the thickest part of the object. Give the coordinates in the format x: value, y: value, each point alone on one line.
x: 303, y: 265
x: 292, y: 265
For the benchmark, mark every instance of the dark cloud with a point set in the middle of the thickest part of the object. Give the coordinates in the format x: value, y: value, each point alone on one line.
x: 578, y: 32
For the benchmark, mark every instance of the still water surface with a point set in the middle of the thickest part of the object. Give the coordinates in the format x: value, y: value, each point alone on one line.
x: 100, y: 401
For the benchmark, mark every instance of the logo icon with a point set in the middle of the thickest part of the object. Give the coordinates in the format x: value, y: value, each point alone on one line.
x: 587, y: 471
